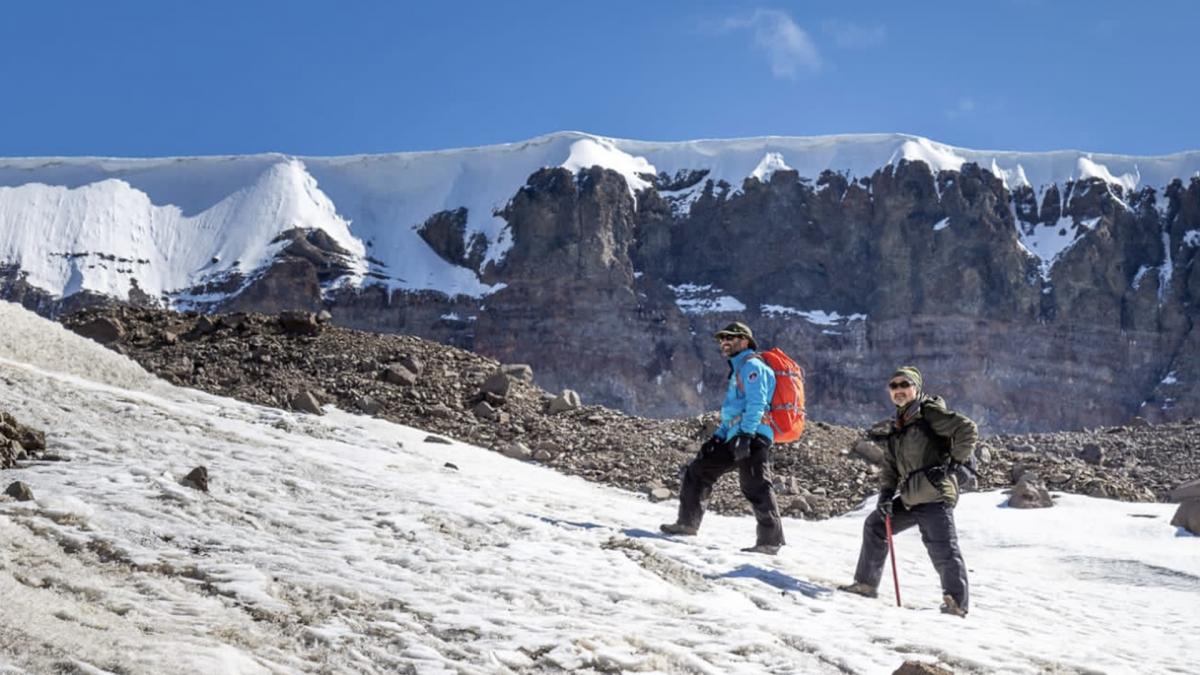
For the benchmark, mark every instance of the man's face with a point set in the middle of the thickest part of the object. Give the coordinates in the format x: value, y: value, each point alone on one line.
x: 902, y: 391
x: 731, y: 345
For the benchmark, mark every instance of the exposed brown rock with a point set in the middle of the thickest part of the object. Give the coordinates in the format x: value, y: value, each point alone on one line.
x: 19, y: 491
x: 921, y: 668
x: 1187, y: 516
x: 1029, y: 493
x: 196, y: 479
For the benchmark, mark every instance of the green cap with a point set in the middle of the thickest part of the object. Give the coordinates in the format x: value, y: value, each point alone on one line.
x: 738, y: 329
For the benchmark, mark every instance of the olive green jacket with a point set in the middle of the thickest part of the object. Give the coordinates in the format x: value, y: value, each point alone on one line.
x: 930, y: 436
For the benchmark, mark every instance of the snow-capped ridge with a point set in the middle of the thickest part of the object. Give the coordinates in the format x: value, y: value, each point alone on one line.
x: 1091, y: 169
x: 770, y: 163
x: 102, y: 236
x: 589, y: 152
x: 178, y: 213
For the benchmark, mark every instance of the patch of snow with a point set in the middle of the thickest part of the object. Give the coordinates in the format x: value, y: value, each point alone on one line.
x: 589, y: 152
x: 1170, y: 378
x: 816, y: 316
x: 705, y: 299
x: 770, y: 163
x: 1049, y: 242
x: 941, y: 224
x: 1191, y: 238
x: 1088, y: 168
x: 681, y: 201
x: 938, y: 156
x: 1166, y: 270
x: 1141, y: 274
x: 1012, y: 178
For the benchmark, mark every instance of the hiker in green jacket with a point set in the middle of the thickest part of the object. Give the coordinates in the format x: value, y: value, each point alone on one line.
x: 926, y: 442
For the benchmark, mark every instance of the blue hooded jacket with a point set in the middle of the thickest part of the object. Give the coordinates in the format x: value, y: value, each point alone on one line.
x: 744, y: 406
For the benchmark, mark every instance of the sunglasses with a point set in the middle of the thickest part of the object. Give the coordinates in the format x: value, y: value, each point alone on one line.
x: 899, y: 385
x: 728, y: 338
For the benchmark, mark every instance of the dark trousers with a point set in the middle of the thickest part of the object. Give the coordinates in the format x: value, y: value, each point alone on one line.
x: 936, y: 522
x: 754, y: 476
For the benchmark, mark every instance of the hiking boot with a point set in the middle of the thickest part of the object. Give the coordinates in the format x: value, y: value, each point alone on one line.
x: 765, y: 549
x: 859, y: 588
x: 679, y: 528
x: 949, y: 606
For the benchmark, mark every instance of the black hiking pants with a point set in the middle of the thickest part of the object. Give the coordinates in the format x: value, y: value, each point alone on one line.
x: 936, y: 522
x: 754, y: 476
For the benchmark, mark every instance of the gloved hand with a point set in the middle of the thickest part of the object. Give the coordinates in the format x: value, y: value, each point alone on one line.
x: 709, y: 446
x: 885, y: 502
x: 740, y: 447
x: 937, y: 474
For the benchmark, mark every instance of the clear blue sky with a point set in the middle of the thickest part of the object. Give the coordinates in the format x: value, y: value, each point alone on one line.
x: 174, y: 77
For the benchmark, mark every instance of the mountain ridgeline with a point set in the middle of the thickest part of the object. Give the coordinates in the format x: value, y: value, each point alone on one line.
x: 594, y: 278
x: 614, y: 290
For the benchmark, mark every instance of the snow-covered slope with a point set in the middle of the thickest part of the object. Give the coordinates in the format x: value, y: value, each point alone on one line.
x: 347, y: 544
x: 105, y: 235
x: 172, y: 223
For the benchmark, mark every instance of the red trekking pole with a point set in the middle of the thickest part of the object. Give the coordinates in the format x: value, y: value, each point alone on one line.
x: 887, y: 521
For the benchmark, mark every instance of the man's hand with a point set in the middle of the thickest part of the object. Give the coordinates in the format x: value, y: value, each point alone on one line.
x: 885, y: 502
x: 880, y: 430
x: 936, y: 474
x: 740, y: 447
x: 709, y: 446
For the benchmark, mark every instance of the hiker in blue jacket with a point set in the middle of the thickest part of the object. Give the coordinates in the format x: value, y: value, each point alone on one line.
x: 742, y: 441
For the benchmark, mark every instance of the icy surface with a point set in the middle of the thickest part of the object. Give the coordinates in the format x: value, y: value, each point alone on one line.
x: 347, y: 544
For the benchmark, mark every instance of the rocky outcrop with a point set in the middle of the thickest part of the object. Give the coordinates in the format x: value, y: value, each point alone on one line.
x: 850, y: 276
x: 1187, y: 516
x: 458, y: 394
x: 258, y: 359
x: 446, y: 234
x: 593, y: 274
x: 19, y: 442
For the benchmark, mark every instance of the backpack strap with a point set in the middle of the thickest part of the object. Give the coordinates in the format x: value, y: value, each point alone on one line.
x: 767, y: 417
x: 737, y: 375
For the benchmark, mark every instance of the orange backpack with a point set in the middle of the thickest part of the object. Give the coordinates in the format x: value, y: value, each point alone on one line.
x: 786, y: 414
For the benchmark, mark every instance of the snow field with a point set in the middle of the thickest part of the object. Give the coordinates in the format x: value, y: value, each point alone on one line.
x: 343, y: 543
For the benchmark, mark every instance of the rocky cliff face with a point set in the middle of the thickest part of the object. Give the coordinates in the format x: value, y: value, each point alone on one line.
x: 1066, y: 307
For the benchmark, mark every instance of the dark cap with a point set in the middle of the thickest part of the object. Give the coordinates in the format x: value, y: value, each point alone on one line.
x: 738, y: 329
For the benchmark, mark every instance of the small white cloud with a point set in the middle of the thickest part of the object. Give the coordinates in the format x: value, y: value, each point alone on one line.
x: 964, y: 107
x: 788, y: 47
x: 854, y: 36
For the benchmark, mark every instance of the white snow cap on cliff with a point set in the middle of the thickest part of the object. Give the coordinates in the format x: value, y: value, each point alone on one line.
x: 99, y: 223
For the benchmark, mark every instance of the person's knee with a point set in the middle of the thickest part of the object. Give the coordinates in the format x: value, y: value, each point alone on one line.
x: 760, y: 496
x: 873, y: 526
x: 694, y: 473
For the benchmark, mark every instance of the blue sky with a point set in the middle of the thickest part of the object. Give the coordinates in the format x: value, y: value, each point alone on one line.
x: 169, y: 77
